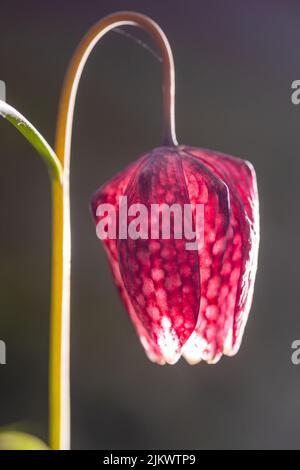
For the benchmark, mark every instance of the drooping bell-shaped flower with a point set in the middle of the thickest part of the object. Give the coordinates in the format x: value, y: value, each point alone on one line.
x: 181, y: 230
x: 183, y: 300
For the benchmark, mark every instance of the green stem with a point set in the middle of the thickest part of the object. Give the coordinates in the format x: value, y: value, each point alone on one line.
x: 34, y: 137
x: 59, y: 360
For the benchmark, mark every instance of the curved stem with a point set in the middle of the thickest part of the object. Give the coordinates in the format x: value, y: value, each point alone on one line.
x: 68, y: 96
x: 34, y: 137
x: 56, y: 175
x: 60, y: 326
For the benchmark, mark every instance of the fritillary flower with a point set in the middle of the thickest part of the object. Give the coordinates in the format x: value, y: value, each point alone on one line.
x: 186, y: 302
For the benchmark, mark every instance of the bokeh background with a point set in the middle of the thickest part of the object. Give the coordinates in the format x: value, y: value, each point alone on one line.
x: 235, y: 62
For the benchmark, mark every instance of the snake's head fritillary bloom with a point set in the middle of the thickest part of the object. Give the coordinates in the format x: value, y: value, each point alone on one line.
x: 183, y: 301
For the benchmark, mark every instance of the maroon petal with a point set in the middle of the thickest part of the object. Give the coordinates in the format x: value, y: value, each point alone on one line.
x: 207, y: 188
x: 160, y: 275
x: 240, y: 258
x: 109, y: 194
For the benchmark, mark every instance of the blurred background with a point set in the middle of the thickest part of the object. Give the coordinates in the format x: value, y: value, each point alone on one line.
x: 235, y: 62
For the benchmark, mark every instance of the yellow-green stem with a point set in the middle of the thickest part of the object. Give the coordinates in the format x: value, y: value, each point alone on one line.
x: 60, y: 314
x: 59, y: 393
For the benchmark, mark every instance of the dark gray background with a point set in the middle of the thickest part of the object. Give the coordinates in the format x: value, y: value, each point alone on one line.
x: 235, y: 61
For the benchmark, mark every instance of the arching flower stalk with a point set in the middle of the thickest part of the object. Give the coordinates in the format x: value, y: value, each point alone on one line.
x: 186, y: 302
